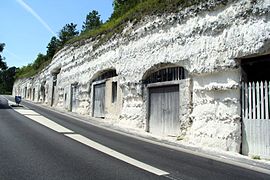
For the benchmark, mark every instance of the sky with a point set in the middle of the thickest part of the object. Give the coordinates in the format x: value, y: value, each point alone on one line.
x: 27, y: 26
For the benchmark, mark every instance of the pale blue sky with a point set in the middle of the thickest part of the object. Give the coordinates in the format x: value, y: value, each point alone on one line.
x: 27, y: 26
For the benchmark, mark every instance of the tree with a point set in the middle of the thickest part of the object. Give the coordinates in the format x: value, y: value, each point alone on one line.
x: 118, y: 3
x: 40, y: 60
x: 52, y: 47
x: 7, y: 78
x: 92, y: 21
x: 3, y: 65
x: 6, y: 74
x: 67, y: 32
x: 120, y: 7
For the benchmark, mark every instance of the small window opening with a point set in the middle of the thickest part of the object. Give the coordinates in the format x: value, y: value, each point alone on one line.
x: 106, y: 75
x: 166, y: 74
x: 54, y: 80
x: 33, y: 94
x: 25, y: 92
x: 256, y: 69
x: 114, y: 92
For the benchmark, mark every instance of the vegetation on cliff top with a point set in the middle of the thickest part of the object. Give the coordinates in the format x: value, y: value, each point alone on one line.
x: 124, y: 11
x: 132, y: 11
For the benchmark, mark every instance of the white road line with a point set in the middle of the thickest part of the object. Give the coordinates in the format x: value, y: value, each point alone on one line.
x: 10, y: 102
x: 77, y: 137
x: 116, y: 154
x: 43, y: 120
x: 26, y: 112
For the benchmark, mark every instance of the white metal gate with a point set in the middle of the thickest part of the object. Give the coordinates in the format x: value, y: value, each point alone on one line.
x: 255, y: 115
x: 164, y: 110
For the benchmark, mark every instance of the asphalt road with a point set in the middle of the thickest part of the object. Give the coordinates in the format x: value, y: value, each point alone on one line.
x: 29, y: 150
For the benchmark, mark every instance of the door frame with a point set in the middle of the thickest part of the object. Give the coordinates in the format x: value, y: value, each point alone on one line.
x: 72, y: 86
x: 153, y: 85
x: 253, y: 102
x: 93, y: 94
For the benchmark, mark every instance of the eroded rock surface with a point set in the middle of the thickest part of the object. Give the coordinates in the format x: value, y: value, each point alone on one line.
x: 206, y: 40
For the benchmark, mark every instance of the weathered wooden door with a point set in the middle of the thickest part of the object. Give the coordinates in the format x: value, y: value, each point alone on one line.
x: 42, y: 92
x: 164, y: 110
x: 25, y: 92
x: 33, y: 97
x: 256, y: 119
x: 99, y: 100
x: 74, y: 98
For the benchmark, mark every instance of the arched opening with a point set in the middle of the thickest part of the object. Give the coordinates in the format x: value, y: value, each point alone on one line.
x: 25, y: 92
x: 165, y: 86
x: 42, y: 91
x: 74, y: 97
x: 165, y: 74
x: 105, y: 74
x: 256, y: 69
x: 34, y: 93
x: 55, y: 72
x: 105, y: 94
x: 29, y: 95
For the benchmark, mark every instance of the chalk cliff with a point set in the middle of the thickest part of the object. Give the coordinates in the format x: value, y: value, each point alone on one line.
x: 206, y: 40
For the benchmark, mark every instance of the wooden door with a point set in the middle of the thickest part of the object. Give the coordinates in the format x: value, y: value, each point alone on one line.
x: 164, y: 110
x: 99, y: 100
x: 74, y: 98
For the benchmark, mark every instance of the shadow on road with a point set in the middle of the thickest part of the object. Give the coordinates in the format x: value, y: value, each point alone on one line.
x: 5, y: 106
x: 4, y: 103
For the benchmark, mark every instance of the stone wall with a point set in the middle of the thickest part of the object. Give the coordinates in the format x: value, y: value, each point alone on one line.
x: 206, y: 40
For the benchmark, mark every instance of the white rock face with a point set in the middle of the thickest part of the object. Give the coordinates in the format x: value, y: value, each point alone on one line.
x: 206, y: 40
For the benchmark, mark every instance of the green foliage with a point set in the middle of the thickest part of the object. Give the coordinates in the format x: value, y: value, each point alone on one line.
x: 7, y: 78
x: 6, y: 75
x: 132, y: 11
x: 180, y: 138
x: 120, y: 7
x: 32, y: 69
x: 3, y: 65
x: 67, y: 32
x: 52, y: 47
x: 25, y: 71
x: 2, y: 45
x: 41, y: 59
x: 92, y: 21
x: 256, y: 157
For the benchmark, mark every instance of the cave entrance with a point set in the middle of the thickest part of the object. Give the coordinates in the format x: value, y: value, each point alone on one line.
x: 256, y: 69
x: 255, y: 93
x: 164, y: 84
x: 34, y: 93
x: 74, y: 97
x: 42, y: 91
x: 55, y: 74
x: 105, y: 94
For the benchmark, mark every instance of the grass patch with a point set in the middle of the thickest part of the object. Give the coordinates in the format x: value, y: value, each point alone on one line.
x: 256, y: 157
x: 180, y: 138
x: 29, y: 71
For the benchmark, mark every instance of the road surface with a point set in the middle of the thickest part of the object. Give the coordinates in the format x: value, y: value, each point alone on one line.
x: 37, y: 143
